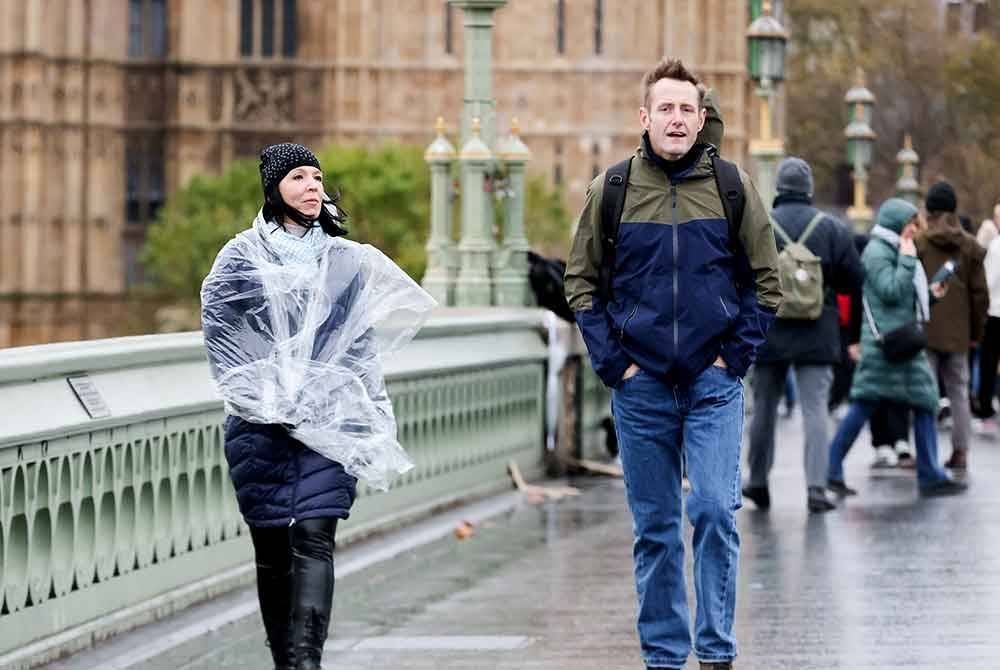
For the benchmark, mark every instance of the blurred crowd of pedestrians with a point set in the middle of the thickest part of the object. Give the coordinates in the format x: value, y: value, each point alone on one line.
x: 908, y: 341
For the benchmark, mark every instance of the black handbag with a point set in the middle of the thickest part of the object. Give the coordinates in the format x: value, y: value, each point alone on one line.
x: 899, y: 345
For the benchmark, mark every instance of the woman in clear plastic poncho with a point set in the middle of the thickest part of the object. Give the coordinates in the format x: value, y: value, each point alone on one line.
x: 296, y: 322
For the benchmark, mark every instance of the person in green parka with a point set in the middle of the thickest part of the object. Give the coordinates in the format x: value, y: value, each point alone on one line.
x: 896, y: 293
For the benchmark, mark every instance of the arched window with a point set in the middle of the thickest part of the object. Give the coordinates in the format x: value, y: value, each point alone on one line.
x: 560, y: 26
x: 449, y: 29
x: 147, y: 28
x: 268, y: 28
x: 598, y: 27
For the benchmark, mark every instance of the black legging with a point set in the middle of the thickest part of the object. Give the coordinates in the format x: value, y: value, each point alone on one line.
x: 295, y: 585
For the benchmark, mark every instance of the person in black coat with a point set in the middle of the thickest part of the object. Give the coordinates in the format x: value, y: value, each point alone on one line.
x: 809, y: 346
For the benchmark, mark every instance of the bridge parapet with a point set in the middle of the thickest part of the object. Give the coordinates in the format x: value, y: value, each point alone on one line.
x: 110, y: 521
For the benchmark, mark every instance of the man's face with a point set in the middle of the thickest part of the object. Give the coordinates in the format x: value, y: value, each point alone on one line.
x: 673, y: 117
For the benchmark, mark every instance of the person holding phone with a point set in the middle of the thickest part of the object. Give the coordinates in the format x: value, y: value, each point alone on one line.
x: 954, y: 259
x: 896, y: 297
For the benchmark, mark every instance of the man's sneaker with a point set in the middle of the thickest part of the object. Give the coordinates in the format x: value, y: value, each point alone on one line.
x: 945, y: 487
x: 715, y: 666
x: 838, y: 487
x: 944, y: 414
x: 885, y: 458
x: 760, y: 495
x: 818, y: 502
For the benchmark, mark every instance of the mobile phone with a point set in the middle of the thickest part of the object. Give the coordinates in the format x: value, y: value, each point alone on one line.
x: 945, y: 272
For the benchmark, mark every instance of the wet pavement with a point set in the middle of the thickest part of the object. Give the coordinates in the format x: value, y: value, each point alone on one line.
x: 887, y: 581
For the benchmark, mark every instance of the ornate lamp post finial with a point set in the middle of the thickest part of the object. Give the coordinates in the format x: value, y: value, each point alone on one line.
x: 907, y: 186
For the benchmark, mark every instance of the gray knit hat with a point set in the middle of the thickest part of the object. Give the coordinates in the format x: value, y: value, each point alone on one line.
x: 795, y: 176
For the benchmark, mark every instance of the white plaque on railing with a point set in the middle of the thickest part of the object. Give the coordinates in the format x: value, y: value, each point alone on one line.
x: 89, y: 396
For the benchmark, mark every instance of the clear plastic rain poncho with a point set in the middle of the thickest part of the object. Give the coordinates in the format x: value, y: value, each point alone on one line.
x: 296, y: 330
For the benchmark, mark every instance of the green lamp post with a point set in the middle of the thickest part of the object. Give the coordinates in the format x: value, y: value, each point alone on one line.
x: 907, y: 186
x: 442, y: 263
x: 512, y: 288
x: 476, y: 247
x: 767, y: 40
x: 860, y: 148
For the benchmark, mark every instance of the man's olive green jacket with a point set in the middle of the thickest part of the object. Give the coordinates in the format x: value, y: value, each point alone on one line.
x: 683, y: 293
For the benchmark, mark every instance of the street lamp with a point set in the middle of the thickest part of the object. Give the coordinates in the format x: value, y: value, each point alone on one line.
x: 907, y: 187
x: 767, y: 41
x: 860, y: 148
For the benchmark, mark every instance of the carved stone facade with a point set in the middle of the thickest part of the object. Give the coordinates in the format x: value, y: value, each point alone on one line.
x: 108, y: 105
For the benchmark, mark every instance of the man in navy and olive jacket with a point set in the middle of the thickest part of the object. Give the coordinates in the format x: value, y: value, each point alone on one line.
x: 688, y: 308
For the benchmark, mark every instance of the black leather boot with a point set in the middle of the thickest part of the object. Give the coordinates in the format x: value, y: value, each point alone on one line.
x: 274, y: 590
x: 312, y: 590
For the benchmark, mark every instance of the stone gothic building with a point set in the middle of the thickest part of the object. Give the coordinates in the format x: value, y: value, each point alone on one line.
x: 106, y: 106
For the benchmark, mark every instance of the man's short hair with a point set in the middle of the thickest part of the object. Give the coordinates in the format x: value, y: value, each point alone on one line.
x: 671, y: 68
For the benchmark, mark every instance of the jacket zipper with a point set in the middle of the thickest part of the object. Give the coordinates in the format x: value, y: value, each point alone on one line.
x: 673, y: 208
x: 295, y: 489
x: 724, y: 308
x: 629, y: 318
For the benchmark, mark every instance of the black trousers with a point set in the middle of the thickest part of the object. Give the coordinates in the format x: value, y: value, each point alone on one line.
x: 295, y: 586
x: 889, y: 424
x: 989, y: 355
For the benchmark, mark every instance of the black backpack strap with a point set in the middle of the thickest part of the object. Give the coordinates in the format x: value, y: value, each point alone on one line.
x: 612, y: 206
x: 727, y: 180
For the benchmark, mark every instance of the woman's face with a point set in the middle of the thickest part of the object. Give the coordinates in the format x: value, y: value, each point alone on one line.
x: 914, y: 227
x: 302, y: 189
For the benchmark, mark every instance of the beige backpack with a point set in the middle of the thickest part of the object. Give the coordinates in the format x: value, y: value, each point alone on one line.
x: 801, y: 273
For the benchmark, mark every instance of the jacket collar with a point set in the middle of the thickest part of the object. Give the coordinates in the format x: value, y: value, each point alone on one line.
x: 678, y: 169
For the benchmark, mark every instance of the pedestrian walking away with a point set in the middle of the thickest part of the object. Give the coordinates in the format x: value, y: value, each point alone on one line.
x: 673, y: 280
x: 989, y: 351
x: 806, y: 341
x: 296, y: 319
x: 893, y: 365
x: 958, y: 319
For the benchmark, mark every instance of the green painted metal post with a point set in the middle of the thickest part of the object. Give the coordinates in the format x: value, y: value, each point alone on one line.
x: 476, y: 248
x: 478, y: 126
x: 442, y: 261
x: 512, y: 287
x: 479, y: 102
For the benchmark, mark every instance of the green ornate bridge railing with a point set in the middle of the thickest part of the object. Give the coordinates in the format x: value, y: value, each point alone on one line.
x: 110, y: 522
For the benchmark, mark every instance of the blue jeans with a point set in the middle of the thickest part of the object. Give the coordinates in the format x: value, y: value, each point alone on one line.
x: 660, y: 429
x: 924, y: 433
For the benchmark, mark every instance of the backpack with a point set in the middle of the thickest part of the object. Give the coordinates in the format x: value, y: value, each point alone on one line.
x: 801, y: 273
x: 546, y: 278
x: 727, y: 180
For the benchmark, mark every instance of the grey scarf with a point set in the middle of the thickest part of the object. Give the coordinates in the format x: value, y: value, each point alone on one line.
x: 919, y: 276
